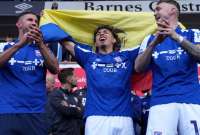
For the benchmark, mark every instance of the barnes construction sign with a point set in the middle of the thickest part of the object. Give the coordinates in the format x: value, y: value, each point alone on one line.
x: 187, y: 6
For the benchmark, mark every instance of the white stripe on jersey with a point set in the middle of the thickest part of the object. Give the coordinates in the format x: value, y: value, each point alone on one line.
x: 83, y: 49
x: 143, y: 45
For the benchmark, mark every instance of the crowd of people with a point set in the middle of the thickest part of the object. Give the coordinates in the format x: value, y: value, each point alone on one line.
x: 30, y: 104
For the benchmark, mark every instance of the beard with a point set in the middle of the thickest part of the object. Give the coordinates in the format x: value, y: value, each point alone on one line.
x: 102, y: 47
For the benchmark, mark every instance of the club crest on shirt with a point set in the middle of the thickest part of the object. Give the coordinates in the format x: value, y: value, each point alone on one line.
x: 118, y: 59
x: 37, y: 53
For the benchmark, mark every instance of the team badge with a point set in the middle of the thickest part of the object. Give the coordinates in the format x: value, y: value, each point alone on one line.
x: 118, y: 59
x: 37, y: 53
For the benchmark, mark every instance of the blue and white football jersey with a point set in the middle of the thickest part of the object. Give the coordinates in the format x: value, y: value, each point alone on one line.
x: 108, y: 81
x: 175, y: 74
x: 22, y: 81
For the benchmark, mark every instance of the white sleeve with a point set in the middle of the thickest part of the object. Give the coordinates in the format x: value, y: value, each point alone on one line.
x: 144, y: 44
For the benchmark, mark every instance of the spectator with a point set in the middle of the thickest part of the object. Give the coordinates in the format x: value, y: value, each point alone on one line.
x: 137, y: 112
x: 50, y: 82
x: 145, y: 110
x: 81, y: 95
x: 65, y: 106
x: 9, y: 38
x: 62, y: 54
x: 23, y: 67
x: 49, y: 112
x: 54, y: 6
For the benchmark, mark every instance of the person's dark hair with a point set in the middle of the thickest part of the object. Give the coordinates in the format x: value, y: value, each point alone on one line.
x: 64, y: 73
x: 173, y: 2
x: 25, y: 13
x: 114, y: 31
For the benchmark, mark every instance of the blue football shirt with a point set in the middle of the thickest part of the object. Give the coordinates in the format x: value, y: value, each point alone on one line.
x: 108, y: 81
x: 22, y: 81
x: 175, y: 73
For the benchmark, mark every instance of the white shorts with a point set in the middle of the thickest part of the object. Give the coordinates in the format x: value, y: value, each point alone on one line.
x: 173, y: 119
x: 109, y: 125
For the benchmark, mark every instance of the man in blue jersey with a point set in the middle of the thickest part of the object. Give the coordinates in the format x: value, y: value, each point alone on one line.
x: 172, y: 55
x: 108, y: 107
x: 22, y: 80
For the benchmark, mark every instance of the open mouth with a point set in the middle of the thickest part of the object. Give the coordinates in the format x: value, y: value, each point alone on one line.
x: 102, y: 38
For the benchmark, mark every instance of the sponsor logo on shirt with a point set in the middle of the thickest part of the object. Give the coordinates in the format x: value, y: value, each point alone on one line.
x: 36, y: 62
x: 170, y: 54
x: 27, y: 65
x: 37, y: 53
x: 110, y: 67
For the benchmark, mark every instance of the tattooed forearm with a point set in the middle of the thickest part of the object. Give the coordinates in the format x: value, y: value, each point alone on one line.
x: 192, y: 49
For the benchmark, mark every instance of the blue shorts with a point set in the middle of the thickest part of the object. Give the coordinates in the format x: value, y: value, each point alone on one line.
x: 23, y: 124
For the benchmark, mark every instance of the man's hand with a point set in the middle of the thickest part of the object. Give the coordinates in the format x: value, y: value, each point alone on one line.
x: 165, y: 30
x: 64, y: 103
x: 23, y: 40
x: 35, y: 35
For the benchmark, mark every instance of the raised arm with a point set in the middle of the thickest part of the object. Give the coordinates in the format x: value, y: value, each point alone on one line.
x: 69, y: 46
x: 193, y: 50
x: 7, y: 54
x: 143, y: 59
x: 50, y: 60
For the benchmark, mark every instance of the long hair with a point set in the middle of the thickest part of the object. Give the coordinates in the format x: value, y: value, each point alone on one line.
x: 114, y: 31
